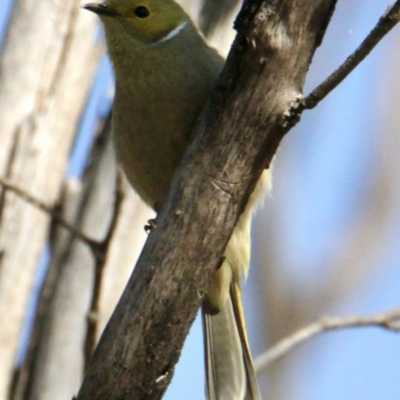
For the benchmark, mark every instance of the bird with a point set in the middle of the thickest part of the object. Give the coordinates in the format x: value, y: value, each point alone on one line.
x: 164, y: 74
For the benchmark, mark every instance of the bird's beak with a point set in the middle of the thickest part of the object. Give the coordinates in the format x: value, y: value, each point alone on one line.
x: 100, y: 9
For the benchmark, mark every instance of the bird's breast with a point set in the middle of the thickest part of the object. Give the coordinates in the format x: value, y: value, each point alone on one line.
x: 151, y: 134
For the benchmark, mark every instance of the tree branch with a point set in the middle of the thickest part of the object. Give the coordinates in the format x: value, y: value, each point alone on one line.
x: 98, y: 248
x: 48, y: 209
x: 389, y: 320
x: 100, y: 260
x: 388, y: 21
x: 255, y: 103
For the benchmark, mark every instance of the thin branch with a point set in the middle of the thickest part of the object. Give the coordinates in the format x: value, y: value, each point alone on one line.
x: 41, y: 205
x: 98, y: 248
x: 384, y: 25
x: 389, y: 320
x: 101, y: 251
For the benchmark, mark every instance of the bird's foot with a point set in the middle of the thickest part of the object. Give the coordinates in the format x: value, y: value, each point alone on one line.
x: 152, y: 223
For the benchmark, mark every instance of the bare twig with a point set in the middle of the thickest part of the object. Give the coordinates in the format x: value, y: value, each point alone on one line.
x: 41, y: 205
x: 98, y: 248
x: 101, y: 250
x: 384, y: 25
x: 389, y: 320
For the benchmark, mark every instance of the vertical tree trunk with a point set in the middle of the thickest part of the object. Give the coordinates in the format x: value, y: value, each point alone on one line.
x: 46, y: 69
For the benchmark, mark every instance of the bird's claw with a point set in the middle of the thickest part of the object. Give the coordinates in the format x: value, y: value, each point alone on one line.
x: 151, y: 224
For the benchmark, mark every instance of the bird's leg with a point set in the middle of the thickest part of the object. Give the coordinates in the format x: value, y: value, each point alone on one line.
x: 151, y: 223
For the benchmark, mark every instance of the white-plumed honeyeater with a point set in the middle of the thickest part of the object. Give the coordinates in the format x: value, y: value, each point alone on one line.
x: 165, y: 72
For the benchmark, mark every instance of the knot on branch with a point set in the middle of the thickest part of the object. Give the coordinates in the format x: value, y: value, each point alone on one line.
x: 293, y: 112
x: 253, y: 14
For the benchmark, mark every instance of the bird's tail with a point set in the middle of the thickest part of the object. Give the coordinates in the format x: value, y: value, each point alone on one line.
x: 229, y: 367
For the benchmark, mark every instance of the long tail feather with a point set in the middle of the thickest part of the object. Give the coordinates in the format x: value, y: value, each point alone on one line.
x: 230, y: 372
x: 253, y: 391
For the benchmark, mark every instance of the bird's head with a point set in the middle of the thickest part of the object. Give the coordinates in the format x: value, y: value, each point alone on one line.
x: 149, y: 21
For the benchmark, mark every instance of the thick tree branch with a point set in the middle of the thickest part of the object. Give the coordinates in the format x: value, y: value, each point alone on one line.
x: 389, y: 320
x: 255, y: 103
x: 388, y: 21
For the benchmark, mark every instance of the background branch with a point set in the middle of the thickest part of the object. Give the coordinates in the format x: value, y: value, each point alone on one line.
x: 51, y: 211
x: 388, y: 21
x: 44, y: 83
x: 100, y: 254
x: 388, y: 320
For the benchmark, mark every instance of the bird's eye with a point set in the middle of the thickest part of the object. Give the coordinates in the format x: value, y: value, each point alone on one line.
x: 141, y: 12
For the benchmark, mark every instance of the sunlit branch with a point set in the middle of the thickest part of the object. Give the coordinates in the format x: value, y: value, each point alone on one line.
x: 389, y: 320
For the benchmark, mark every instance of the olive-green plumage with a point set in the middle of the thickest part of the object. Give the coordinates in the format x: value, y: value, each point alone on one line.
x: 165, y: 73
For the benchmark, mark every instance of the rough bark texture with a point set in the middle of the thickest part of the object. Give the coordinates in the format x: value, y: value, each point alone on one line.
x: 254, y: 105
